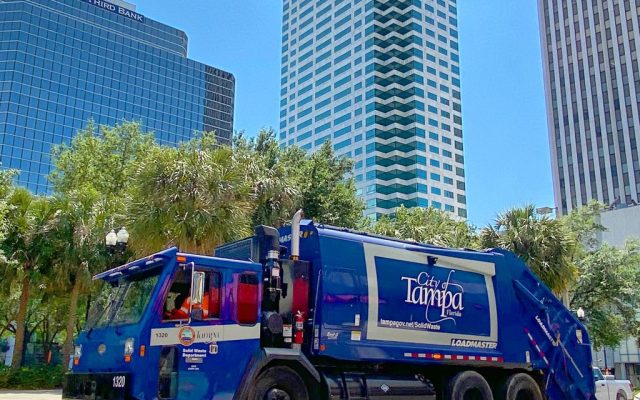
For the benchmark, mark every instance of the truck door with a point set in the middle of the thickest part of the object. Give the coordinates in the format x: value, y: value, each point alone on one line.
x: 205, y: 358
x: 602, y: 392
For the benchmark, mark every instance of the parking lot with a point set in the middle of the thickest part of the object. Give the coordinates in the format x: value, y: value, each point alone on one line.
x: 30, y: 394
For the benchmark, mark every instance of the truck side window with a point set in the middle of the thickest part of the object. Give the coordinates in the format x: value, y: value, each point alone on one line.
x: 177, y: 303
x: 247, y: 300
x: 212, y: 287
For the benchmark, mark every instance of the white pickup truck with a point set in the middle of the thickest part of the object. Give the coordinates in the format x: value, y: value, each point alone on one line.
x: 608, y: 388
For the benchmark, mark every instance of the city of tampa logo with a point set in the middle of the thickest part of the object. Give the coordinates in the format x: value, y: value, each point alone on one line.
x: 186, y: 335
x: 435, y: 294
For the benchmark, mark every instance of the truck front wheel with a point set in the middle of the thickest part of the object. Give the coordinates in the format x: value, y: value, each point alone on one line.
x: 520, y: 387
x: 279, y: 383
x: 468, y: 385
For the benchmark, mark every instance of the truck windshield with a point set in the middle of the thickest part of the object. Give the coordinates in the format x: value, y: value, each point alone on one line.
x: 123, y: 301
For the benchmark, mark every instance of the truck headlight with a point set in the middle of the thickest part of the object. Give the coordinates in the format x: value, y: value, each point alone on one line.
x: 77, y: 353
x: 128, y: 348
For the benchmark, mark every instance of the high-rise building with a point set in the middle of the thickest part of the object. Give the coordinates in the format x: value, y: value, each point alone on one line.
x: 381, y: 80
x: 63, y: 62
x: 592, y: 82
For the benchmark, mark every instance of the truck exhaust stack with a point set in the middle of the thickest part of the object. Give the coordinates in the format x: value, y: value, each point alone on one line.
x: 295, y: 234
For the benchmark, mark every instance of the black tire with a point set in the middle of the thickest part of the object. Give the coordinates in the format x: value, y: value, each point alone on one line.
x: 279, y: 383
x: 621, y: 396
x: 468, y: 385
x: 520, y: 387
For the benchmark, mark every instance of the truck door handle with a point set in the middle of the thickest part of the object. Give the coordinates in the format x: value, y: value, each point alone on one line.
x: 602, y: 384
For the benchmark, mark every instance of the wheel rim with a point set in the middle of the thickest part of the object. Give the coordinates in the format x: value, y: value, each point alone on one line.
x: 277, y: 394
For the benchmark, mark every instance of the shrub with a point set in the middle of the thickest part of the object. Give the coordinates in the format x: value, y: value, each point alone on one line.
x: 33, y: 377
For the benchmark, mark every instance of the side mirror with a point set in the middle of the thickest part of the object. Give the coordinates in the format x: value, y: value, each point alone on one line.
x: 197, y: 295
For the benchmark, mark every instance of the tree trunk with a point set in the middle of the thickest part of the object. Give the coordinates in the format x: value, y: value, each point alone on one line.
x: 21, y: 319
x: 71, y: 323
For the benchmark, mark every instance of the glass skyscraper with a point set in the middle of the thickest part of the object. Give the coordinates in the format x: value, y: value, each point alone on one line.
x: 63, y: 62
x: 381, y: 80
x: 592, y: 82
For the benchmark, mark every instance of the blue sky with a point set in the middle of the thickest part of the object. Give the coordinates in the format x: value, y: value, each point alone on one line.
x: 504, y: 120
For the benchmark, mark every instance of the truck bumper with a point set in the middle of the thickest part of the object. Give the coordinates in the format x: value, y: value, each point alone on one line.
x: 105, y: 386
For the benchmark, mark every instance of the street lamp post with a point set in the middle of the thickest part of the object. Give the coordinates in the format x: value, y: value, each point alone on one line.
x: 116, y: 241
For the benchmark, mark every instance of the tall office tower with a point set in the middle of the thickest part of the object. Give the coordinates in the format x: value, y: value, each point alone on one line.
x: 592, y: 83
x: 63, y: 62
x: 381, y: 80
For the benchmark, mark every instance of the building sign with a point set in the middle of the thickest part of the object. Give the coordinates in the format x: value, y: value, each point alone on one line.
x: 117, y: 9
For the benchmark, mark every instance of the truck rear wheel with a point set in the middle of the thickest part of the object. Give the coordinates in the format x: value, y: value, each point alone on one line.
x: 468, y: 385
x: 621, y: 396
x: 279, y: 383
x: 520, y: 387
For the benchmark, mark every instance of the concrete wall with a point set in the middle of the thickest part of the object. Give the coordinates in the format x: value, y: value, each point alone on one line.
x: 621, y: 223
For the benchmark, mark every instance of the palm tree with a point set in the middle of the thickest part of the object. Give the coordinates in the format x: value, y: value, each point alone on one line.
x: 80, y: 252
x: 195, y: 197
x: 546, y: 245
x: 275, y: 191
x: 28, y: 250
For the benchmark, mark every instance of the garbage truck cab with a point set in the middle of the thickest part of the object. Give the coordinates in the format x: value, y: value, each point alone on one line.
x: 147, y: 337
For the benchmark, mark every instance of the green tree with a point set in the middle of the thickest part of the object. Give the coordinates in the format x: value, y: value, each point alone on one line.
x: 78, y: 239
x: 546, y: 245
x: 328, y: 195
x: 270, y: 168
x: 194, y: 196
x: 101, y: 161
x: 28, y: 251
x: 583, y: 223
x: 607, y: 288
x: 607, y: 281
x: 427, y: 225
x: 90, y: 179
x: 285, y: 180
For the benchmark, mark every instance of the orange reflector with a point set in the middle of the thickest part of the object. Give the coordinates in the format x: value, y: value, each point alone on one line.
x: 323, y: 347
x: 127, y: 358
x: 181, y: 258
x: 76, y: 361
x: 437, y: 356
x: 142, y: 349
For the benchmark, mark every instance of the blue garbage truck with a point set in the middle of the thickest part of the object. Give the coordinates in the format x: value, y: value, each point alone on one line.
x: 310, y: 312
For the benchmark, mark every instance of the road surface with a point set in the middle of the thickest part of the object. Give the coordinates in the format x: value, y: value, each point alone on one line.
x: 30, y: 394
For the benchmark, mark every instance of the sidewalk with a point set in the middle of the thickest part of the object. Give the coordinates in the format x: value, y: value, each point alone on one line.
x: 30, y: 394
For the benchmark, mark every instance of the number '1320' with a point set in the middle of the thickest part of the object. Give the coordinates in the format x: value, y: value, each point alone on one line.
x: 119, y: 381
